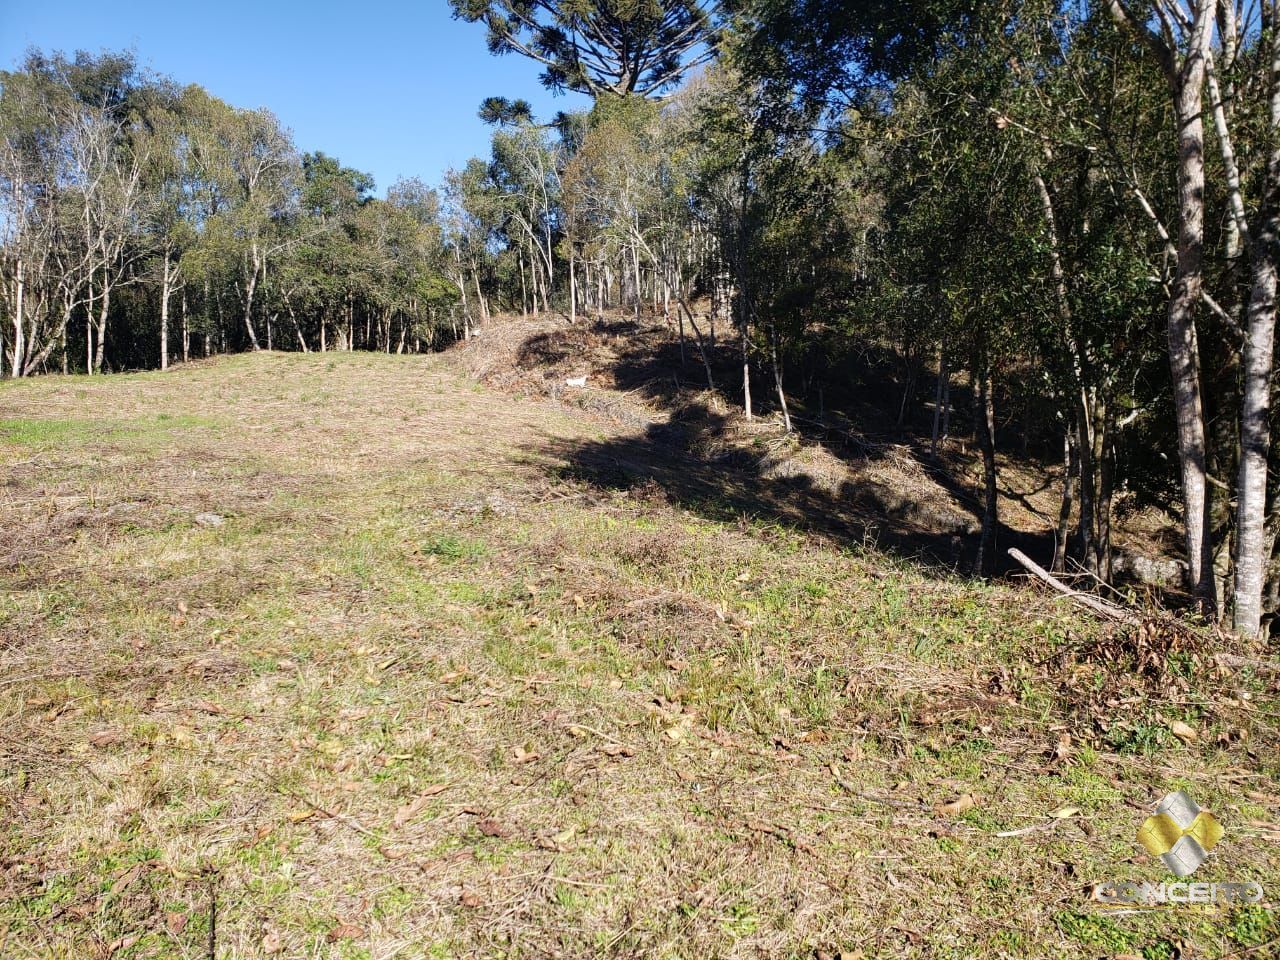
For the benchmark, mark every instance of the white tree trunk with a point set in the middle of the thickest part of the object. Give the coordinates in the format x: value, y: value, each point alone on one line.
x: 165, y: 283
x: 1252, y: 543
x: 19, y: 344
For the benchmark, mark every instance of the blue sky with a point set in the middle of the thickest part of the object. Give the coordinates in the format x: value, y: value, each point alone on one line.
x: 388, y: 87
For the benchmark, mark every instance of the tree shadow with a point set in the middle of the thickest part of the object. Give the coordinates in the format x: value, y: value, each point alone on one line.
x: 726, y: 483
x: 853, y: 412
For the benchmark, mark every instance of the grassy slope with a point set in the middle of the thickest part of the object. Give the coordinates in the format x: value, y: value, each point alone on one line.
x: 424, y: 693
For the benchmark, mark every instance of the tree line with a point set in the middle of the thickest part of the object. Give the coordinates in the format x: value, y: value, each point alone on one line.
x: 1072, y: 208
x: 144, y: 221
x: 1054, y: 221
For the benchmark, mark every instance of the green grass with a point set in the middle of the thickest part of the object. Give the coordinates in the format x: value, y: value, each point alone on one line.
x: 689, y: 734
x: 46, y: 434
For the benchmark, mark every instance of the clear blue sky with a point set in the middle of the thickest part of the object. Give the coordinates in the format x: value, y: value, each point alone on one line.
x: 388, y: 87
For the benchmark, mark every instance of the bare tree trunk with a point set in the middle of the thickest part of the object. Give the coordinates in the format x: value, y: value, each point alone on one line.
x: 484, y: 310
x: 186, y: 329
x: 1103, y: 458
x: 1252, y: 550
x: 946, y: 409
x: 1064, y: 511
x: 777, y: 376
x: 1185, y: 65
x: 986, y: 417
x: 944, y: 374
x: 102, y: 325
x: 297, y: 327
x: 524, y: 293
x: 573, y: 287
x: 250, y: 288
x: 165, y: 288
x: 19, y: 332
x: 1184, y: 351
x: 909, y: 388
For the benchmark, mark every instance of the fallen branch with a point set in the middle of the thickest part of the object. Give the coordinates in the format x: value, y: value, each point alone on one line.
x: 1231, y: 660
x: 1101, y: 607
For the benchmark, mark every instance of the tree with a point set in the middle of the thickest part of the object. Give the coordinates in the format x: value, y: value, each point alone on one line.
x: 598, y: 47
x: 1185, y: 67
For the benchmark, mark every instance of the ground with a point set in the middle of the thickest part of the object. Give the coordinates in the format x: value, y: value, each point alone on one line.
x: 354, y: 656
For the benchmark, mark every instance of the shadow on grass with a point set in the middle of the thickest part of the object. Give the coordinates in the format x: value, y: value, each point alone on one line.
x: 729, y: 486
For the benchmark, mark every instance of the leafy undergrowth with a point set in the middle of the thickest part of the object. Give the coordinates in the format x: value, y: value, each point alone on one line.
x: 340, y: 656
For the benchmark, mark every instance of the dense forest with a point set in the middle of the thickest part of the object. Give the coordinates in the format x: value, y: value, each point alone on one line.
x: 1067, y: 212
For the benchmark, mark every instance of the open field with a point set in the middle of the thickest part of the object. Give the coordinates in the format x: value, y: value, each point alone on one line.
x: 348, y: 656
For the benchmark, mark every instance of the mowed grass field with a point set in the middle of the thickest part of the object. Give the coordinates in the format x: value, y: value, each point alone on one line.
x: 340, y: 656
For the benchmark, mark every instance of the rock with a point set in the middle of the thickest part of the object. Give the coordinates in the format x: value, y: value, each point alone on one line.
x: 1153, y: 571
x: 209, y: 520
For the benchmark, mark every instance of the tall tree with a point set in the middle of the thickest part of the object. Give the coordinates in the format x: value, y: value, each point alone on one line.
x: 598, y: 47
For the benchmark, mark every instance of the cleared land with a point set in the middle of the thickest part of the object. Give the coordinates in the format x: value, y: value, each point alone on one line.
x: 359, y: 658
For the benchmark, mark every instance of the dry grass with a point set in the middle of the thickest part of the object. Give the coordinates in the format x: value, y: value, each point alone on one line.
x: 417, y: 695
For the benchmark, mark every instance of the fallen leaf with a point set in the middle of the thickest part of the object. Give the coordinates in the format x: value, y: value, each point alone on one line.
x: 521, y: 755
x: 410, y: 810
x: 1063, y: 748
x: 1062, y: 813
x: 124, y: 943
x: 271, y: 942
x: 677, y: 665
x: 344, y: 931
x: 1183, y: 732
x: 470, y: 898
x: 127, y: 878
x: 957, y: 806
x: 106, y: 738
x: 297, y: 816
x: 617, y: 750
x: 390, y: 853
x: 175, y: 922
x: 492, y: 828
